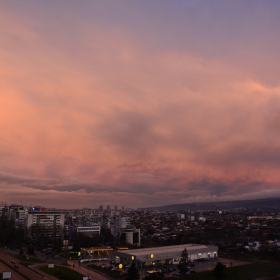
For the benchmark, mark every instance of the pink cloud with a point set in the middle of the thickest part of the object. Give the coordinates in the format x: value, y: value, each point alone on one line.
x: 134, y: 123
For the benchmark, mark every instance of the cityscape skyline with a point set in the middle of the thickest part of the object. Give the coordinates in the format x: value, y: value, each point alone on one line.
x: 139, y: 103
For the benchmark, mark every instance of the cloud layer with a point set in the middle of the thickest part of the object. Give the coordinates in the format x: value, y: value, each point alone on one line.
x: 138, y: 105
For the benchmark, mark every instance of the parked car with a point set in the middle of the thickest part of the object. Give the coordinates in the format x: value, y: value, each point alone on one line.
x: 176, y: 274
x: 47, y: 251
x: 202, y: 259
x: 171, y: 269
x: 115, y: 269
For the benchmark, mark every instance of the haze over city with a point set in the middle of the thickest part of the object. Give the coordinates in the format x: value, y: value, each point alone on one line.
x: 139, y: 103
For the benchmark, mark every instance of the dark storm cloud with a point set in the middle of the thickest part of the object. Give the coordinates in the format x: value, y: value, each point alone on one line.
x: 73, y: 185
x: 212, y: 189
x: 26, y: 181
x: 130, y: 132
x: 146, y: 133
x: 49, y: 184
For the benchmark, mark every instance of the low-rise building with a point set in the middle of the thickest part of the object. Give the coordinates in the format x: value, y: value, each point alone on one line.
x: 131, y: 236
x: 166, y: 254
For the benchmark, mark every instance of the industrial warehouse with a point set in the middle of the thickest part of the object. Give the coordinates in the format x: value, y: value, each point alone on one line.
x: 166, y: 255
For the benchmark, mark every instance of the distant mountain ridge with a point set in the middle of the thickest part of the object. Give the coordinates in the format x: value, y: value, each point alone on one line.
x: 265, y: 203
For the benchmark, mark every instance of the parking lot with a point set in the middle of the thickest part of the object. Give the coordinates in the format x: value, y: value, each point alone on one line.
x: 199, y: 266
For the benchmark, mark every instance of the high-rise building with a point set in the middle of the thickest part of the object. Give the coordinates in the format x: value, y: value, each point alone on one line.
x: 118, y: 224
x: 45, y: 227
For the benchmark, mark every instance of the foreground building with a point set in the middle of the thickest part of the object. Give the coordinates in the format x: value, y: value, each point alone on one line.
x: 166, y: 255
x: 44, y: 227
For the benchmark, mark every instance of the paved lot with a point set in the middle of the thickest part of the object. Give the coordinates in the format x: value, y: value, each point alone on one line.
x: 208, y: 265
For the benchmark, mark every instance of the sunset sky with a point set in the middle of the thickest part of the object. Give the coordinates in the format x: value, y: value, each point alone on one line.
x: 139, y: 103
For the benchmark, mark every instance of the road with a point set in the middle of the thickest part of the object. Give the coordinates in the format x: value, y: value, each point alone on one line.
x: 31, y: 274
x: 15, y: 276
x: 34, y: 273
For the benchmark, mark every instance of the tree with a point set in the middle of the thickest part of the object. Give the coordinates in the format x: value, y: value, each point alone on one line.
x: 183, y: 265
x: 21, y: 253
x: 219, y: 271
x: 132, y: 273
x: 30, y: 250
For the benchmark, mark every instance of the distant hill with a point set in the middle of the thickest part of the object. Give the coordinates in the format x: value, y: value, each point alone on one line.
x: 262, y: 204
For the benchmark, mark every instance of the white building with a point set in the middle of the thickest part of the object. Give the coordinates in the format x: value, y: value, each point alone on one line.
x: 181, y: 216
x: 131, y: 236
x: 91, y: 230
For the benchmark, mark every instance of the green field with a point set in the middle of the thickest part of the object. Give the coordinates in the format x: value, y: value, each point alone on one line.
x: 62, y: 273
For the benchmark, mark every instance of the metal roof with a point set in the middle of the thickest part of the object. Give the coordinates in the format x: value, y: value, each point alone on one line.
x: 166, y: 252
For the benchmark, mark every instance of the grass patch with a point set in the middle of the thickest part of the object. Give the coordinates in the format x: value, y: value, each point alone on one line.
x: 243, y: 272
x: 62, y: 273
x: 30, y: 260
x: 26, y: 264
x: 252, y: 271
x: 24, y: 259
